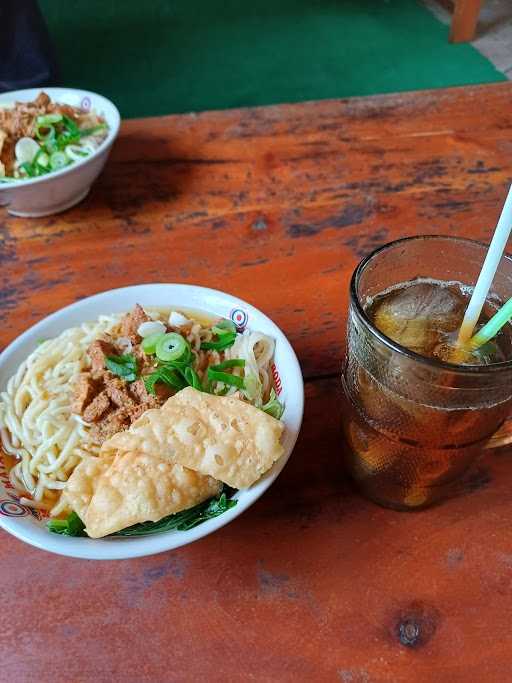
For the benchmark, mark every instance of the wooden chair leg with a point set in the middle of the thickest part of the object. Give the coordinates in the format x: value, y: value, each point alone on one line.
x: 465, y: 17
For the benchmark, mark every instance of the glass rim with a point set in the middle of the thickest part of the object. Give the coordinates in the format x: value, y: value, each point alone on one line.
x: 434, y: 363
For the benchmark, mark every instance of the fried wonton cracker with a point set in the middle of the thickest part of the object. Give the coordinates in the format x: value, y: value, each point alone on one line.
x: 220, y: 436
x: 83, y: 482
x: 136, y: 487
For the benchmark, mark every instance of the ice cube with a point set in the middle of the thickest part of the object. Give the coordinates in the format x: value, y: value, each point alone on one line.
x: 419, y: 315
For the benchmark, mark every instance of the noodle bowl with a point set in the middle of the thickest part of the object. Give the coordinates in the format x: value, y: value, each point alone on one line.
x: 39, y: 428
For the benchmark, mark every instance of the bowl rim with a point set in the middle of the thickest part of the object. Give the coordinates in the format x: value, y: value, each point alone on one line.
x: 131, y: 547
x: 104, y: 146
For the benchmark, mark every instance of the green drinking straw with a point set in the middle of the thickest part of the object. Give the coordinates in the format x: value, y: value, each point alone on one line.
x: 489, y: 268
x: 492, y: 327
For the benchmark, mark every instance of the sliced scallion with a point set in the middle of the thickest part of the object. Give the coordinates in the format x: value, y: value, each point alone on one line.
x: 45, y: 132
x: 225, y: 330
x: 48, y: 119
x: 172, y: 347
x: 192, y: 378
x: 225, y: 377
x: 58, y: 160
x: 149, y: 343
x: 75, y: 152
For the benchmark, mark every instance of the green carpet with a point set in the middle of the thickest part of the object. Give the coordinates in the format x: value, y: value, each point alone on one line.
x: 164, y: 56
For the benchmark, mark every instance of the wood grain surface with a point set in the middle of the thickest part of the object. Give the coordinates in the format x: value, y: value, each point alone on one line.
x: 276, y: 205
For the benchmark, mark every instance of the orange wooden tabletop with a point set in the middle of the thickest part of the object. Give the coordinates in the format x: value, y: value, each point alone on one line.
x: 276, y: 205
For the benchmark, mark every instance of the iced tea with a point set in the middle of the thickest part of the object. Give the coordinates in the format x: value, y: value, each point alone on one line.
x: 418, y: 412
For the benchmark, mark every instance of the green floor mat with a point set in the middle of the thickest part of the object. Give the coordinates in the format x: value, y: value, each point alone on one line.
x: 164, y: 56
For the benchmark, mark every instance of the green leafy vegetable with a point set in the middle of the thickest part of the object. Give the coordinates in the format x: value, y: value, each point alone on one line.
x: 71, y: 526
x: 187, y: 519
x: 273, y: 406
x: 124, y: 366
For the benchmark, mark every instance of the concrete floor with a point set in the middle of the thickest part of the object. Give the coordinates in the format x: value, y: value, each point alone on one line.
x: 494, y: 31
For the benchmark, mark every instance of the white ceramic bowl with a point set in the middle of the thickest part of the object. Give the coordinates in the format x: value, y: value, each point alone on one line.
x: 62, y: 189
x: 22, y: 522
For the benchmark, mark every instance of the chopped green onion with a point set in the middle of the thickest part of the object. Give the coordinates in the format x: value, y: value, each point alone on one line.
x: 85, y: 132
x: 172, y: 347
x: 58, y: 160
x: 225, y: 330
x: 233, y: 363
x: 182, y: 362
x: 50, y: 146
x: 48, y: 119
x: 166, y: 375
x: 225, y: 377
x: 70, y: 125
x: 65, y: 139
x: 273, y: 407
x: 28, y: 169
x: 224, y: 342
x: 192, y: 378
x: 224, y: 327
x: 149, y: 343
x: 45, y: 132
x: 75, y: 152
x: 42, y: 159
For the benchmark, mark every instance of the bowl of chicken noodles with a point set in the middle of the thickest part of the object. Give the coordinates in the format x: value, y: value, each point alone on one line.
x: 143, y: 418
x: 53, y: 145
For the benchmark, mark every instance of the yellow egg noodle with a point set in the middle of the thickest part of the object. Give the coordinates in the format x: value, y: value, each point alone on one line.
x: 36, y: 422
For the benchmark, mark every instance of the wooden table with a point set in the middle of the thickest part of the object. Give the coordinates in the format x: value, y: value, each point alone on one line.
x: 276, y: 205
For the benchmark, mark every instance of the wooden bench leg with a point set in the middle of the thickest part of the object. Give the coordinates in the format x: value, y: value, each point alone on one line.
x: 465, y: 17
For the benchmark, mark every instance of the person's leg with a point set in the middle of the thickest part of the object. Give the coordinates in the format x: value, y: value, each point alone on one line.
x: 27, y: 58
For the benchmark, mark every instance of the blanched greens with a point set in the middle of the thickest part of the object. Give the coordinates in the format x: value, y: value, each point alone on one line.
x: 71, y: 526
x: 187, y: 519
x: 181, y: 521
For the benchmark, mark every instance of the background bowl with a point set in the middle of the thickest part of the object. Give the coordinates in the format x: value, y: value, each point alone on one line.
x: 62, y: 189
x: 26, y: 525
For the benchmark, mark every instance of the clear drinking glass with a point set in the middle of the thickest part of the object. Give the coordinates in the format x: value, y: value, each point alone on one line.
x: 414, y: 425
